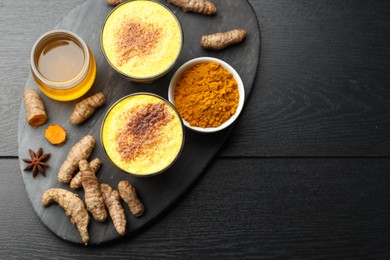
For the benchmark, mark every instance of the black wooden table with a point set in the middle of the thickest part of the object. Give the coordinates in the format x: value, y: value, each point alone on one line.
x: 304, y: 173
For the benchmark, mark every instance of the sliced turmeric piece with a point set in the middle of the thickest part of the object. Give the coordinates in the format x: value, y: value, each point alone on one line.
x: 112, y: 201
x: 81, y: 150
x: 55, y: 134
x: 35, y: 109
x: 221, y: 40
x: 73, y: 206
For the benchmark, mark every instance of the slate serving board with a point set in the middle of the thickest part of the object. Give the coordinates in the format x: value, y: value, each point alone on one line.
x: 157, y: 192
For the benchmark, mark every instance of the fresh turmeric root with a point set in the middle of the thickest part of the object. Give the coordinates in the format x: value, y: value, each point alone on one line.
x: 35, y: 109
x: 129, y: 195
x: 92, y: 193
x: 112, y: 201
x: 219, y: 41
x: 197, y: 6
x: 73, y: 206
x: 115, y: 2
x: 81, y: 150
x: 75, y: 183
x: 55, y: 134
x: 85, y: 108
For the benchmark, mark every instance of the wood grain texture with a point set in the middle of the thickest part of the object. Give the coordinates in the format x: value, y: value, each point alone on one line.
x: 321, y: 90
x: 22, y: 22
x: 240, y: 209
x: 322, y: 86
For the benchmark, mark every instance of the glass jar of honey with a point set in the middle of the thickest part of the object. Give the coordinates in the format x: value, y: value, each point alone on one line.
x: 62, y: 65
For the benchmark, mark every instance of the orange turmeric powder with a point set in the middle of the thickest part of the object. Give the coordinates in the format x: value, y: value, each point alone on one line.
x: 206, y: 95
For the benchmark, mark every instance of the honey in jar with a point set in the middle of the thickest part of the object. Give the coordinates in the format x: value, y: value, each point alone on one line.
x: 62, y: 65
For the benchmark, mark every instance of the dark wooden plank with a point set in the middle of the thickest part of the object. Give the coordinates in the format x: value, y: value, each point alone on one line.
x: 322, y: 87
x: 240, y: 208
x: 158, y: 192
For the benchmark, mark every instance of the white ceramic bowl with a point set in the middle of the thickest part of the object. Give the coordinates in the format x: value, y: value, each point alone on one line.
x: 191, y: 63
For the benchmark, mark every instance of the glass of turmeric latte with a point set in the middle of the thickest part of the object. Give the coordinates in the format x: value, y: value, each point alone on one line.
x: 142, y: 40
x: 142, y: 134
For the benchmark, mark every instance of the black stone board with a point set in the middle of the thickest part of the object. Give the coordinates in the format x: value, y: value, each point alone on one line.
x: 158, y: 192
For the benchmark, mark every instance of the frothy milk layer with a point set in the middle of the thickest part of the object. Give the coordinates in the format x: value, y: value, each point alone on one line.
x: 142, y: 134
x: 142, y: 39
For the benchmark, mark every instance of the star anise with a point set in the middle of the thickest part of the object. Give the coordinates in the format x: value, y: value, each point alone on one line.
x: 37, y: 162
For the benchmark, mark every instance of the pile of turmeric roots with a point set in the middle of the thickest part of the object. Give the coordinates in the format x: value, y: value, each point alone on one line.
x: 98, y: 197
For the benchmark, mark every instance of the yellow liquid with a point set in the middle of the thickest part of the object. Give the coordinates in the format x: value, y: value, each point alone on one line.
x: 159, y: 147
x: 142, y: 39
x: 75, y: 92
x: 61, y: 60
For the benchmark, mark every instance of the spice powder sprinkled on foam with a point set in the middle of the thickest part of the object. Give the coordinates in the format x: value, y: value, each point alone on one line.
x: 142, y: 134
x: 142, y: 130
x: 142, y: 39
x: 136, y: 39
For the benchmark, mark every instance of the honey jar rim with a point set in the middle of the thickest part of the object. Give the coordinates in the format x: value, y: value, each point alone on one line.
x: 75, y: 38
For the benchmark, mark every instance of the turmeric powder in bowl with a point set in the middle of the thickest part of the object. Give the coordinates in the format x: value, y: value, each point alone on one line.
x: 208, y: 93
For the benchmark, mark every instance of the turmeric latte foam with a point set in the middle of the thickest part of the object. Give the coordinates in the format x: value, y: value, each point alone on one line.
x: 142, y: 134
x: 142, y: 39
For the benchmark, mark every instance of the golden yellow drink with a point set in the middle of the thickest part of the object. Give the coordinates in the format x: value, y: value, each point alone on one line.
x: 142, y: 134
x: 142, y: 40
x: 62, y: 65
